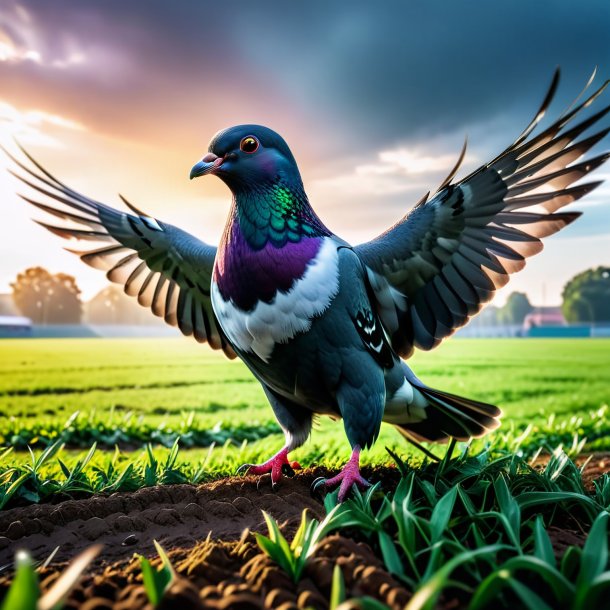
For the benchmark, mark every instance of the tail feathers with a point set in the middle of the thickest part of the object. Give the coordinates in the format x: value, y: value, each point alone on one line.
x: 450, y: 416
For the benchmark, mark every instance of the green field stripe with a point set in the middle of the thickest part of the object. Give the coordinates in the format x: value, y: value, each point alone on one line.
x: 81, y: 431
x: 41, y: 391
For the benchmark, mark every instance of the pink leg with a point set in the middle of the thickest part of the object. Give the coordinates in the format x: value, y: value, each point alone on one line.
x: 346, y: 479
x: 277, y: 465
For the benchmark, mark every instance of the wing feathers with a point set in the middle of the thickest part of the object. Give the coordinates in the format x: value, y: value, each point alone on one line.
x: 171, y: 305
x: 447, y: 257
x: 559, y: 179
x: 122, y: 271
x: 69, y: 233
x: 550, y: 94
x: 152, y: 260
x: 146, y: 289
x: 551, y: 201
x: 90, y: 222
x: 135, y: 281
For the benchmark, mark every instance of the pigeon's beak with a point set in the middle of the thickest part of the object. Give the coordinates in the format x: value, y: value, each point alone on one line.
x: 208, y: 165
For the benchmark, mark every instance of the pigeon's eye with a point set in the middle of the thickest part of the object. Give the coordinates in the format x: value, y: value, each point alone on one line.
x: 249, y: 144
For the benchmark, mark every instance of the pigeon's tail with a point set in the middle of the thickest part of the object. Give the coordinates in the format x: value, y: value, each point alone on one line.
x: 450, y: 416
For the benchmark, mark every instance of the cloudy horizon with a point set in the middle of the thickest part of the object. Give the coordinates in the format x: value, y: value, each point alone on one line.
x: 374, y: 104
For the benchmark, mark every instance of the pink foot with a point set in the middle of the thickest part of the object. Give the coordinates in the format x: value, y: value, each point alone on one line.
x: 277, y: 465
x: 347, y: 478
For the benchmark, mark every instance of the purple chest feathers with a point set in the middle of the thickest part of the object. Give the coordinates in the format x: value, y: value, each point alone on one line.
x: 247, y: 276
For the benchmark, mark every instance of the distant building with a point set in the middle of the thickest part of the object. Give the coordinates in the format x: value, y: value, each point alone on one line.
x: 15, y: 326
x: 544, y: 316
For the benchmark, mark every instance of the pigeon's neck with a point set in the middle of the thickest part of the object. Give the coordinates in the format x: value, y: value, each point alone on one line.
x: 271, y: 237
x: 277, y: 213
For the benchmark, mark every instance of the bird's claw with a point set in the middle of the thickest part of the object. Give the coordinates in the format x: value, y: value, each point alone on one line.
x: 277, y: 466
x: 316, y: 487
x: 345, y: 486
x: 288, y: 470
x: 348, y: 478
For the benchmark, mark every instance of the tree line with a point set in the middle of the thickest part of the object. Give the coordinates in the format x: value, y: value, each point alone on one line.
x: 48, y: 298
x: 585, y: 300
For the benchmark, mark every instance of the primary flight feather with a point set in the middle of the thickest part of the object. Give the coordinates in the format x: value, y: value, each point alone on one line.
x: 323, y: 324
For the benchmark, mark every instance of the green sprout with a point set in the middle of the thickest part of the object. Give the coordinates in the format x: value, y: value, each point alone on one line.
x: 293, y: 557
x: 157, y: 581
x: 24, y: 592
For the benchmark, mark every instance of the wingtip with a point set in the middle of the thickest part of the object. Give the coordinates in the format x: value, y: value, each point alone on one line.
x: 131, y: 206
x: 59, y: 231
x: 72, y: 251
x: 20, y: 146
x: 456, y: 167
x: 422, y: 201
x: 556, y: 77
x: 570, y: 217
x: 548, y: 98
x: 42, y: 224
x: 550, y: 94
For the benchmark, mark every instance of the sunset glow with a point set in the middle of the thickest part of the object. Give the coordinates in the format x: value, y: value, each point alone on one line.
x: 114, y: 98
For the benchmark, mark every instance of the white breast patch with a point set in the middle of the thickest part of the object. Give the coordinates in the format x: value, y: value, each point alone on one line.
x: 289, y: 313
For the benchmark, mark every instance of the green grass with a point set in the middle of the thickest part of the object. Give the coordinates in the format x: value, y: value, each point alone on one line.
x: 474, y: 527
x: 159, y: 377
x: 139, y: 390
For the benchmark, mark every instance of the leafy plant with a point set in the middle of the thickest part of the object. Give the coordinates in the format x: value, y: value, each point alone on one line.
x: 475, y: 524
x: 82, y: 430
x: 41, y: 478
x: 293, y: 557
x: 24, y: 592
x: 337, y: 591
x: 589, y: 566
x: 157, y: 581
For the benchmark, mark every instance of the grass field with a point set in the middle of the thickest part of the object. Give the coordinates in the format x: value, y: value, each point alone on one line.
x: 157, y: 389
x: 484, y: 526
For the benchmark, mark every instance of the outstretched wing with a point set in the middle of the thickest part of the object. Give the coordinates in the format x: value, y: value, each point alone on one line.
x: 436, y: 267
x: 164, y: 268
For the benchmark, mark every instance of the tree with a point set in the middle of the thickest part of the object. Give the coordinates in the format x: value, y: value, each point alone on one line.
x: 515, y: 309
x: 112, y: 306
x: 586, y: 297
x: 7, y: 305
x: 46, y: 298
x: 488, y: 316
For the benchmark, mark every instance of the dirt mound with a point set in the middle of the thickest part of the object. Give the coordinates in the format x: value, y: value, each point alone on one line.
x: 226, y: 570
x: 236, y: 575
x: 179, y: 516
x: 595, y: 465
x: 207, y: 531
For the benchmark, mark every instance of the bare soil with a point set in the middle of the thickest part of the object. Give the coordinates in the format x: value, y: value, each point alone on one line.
x: 178, y: 516
x: 595, y: 464
x: 208, y: 532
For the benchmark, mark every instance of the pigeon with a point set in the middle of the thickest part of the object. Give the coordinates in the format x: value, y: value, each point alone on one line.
x: 326, y: 327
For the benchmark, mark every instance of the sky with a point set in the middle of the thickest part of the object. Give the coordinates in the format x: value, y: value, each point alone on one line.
x: 374, y: 99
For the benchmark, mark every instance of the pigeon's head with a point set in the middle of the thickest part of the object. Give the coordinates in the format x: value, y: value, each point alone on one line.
x: 248, y: 157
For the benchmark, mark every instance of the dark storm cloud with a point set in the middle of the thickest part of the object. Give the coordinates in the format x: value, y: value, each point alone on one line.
x: 149, y: 70
x: 379, y: 72
x: 343, y: 81
x: 396, y: 69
